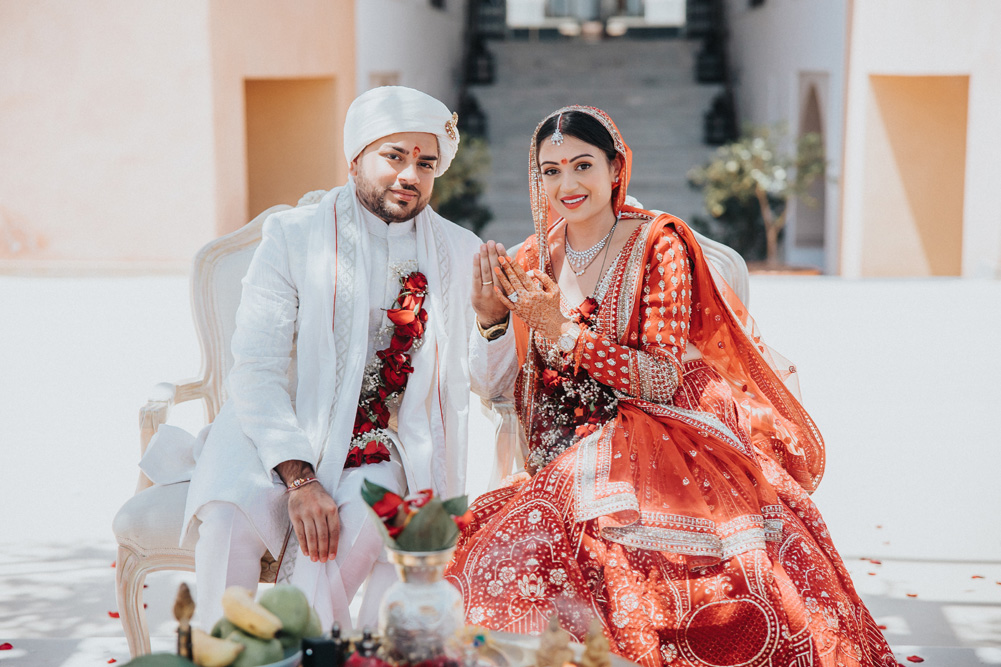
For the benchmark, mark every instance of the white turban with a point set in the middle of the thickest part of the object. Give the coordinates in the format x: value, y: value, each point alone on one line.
x: 391, y: 109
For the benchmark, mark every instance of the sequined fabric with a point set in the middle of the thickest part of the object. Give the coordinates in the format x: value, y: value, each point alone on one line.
x: 693, y: 547
x: 684, y: 523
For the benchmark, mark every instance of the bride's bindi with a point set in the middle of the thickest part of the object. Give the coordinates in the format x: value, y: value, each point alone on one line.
x: 563, y: 161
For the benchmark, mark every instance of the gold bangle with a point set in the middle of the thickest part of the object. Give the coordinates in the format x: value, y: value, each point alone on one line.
x: 300, y: 482
x: 494, y: 332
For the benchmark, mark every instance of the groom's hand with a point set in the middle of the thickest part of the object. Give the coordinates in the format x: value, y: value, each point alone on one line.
x: 311, y: 511
x: 314, y: 518
x: 490, y: 309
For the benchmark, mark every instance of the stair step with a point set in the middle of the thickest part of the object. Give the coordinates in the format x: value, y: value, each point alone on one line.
x: 647, y: 87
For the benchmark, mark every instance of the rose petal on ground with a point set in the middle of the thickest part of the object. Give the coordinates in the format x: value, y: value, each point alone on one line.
x: 113, y: 614
x: 912, y: 595
x: 6, y: 646
x: 875, y: 562
x: 114, y: 563
x: 112, y: 661
x: 915, y: 658
x: 977, y: 576
x: 881, y: 627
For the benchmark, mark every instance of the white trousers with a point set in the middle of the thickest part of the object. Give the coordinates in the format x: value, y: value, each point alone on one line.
x: 229, y: 551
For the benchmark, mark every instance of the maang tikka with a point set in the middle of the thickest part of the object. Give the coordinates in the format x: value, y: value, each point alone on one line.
x: 557, y: 138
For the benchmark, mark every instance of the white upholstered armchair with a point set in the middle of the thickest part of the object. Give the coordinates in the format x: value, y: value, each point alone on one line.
x: 148, y: 526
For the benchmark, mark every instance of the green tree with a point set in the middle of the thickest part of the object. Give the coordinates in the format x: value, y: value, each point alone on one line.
x: 753, y: 176
x: 456, y: 192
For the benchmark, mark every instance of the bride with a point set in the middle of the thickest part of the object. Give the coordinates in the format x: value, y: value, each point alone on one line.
x: 669, y: 468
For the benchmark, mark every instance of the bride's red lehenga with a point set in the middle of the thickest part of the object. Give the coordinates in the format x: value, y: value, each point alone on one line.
x: 670, y: 494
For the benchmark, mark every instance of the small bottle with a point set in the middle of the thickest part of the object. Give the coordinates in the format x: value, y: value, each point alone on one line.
x: 366, y: 651
x: 324, y: 652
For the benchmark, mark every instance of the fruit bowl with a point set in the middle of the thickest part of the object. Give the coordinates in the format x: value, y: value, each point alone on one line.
x: 293, y: 658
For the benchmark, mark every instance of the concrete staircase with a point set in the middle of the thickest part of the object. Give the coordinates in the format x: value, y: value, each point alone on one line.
x: 645, y: 85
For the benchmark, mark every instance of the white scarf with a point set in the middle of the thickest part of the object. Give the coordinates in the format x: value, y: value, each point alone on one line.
x: 432, y: 410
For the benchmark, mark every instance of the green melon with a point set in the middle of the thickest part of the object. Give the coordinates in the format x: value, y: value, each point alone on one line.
x: 256, y: 651
x: 290, y: 605
x: 223, y: 628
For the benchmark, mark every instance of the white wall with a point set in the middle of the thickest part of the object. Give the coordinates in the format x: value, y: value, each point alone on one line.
x: 775, y: 46
x: 409, y: 37
x: 944, y: 38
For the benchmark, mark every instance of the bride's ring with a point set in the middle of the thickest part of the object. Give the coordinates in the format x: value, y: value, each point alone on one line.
x: 513, y: 297
x: 489, y: 282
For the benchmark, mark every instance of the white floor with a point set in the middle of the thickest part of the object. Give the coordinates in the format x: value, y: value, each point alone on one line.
x: 899, y: 374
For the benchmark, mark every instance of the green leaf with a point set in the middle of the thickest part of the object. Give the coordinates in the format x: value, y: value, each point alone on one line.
x: 457, y: 506
x: 430, y: 529
x: 386, y: 539
x: 372, y: 493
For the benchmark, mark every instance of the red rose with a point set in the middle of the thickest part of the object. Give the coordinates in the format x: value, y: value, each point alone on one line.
x: 411, y: 302
x: 388, y: 505
x: 394, y: 531
x: 463, y: 520
x: 415, y: 282
x: 400, y: 316
x: 587, y: 308
x: 375, y: 452
x: 550, y: 378
x: 397, y: 378
x: 394, y: 360
x: 414, y: 329
x: 400, y: 343
x: 354, y: 459
x: 419, y: 499
x: 586, y: 429
x: 423, y: 316
x: 380, y: 413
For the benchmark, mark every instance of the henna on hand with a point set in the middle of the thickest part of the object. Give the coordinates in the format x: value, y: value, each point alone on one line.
x: 538, y: 301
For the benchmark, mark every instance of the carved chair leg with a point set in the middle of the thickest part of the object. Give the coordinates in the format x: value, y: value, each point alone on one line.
x: 129, y: 578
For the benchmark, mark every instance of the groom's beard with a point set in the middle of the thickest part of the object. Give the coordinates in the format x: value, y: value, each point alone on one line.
x: 375, y: 199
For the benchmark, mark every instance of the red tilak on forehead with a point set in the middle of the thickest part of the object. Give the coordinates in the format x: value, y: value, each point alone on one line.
x: 563, y: 161
x: 417, y: 151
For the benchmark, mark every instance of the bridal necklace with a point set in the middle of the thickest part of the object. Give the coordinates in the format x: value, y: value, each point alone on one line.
x: 581, y: 259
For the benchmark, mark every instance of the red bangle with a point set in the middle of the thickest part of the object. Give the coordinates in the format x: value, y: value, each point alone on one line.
x: 300, y: 482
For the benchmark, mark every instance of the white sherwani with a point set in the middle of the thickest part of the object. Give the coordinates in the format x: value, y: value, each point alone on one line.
x: 304, y: 333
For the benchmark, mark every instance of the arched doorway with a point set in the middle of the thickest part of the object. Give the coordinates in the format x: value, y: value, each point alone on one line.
x: 810, y: 220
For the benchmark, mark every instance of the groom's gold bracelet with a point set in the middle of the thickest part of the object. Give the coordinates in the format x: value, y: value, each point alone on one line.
x: 494, y: 332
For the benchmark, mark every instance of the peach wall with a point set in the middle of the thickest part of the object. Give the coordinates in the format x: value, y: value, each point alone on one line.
x: 293, y: 140
x: 944, y: 38
x: 916, y: 164
x: 105, y: 138
x: 261, y: 39
x: 122, y: 124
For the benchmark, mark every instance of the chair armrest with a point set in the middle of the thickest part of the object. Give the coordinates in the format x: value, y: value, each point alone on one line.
x: 510, y: 450
x: 162, y: 398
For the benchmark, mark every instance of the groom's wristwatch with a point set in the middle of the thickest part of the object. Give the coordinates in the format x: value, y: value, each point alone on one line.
x: 568, y: 339
x: 494, y: 332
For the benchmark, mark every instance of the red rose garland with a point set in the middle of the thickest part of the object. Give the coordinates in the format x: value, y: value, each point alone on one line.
x: 372, y: 418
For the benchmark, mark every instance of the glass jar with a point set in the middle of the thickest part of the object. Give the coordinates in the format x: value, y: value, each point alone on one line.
x: 421, y: 614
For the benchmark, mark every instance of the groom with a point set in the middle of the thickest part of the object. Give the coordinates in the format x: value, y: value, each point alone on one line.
x: 355, y: 349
